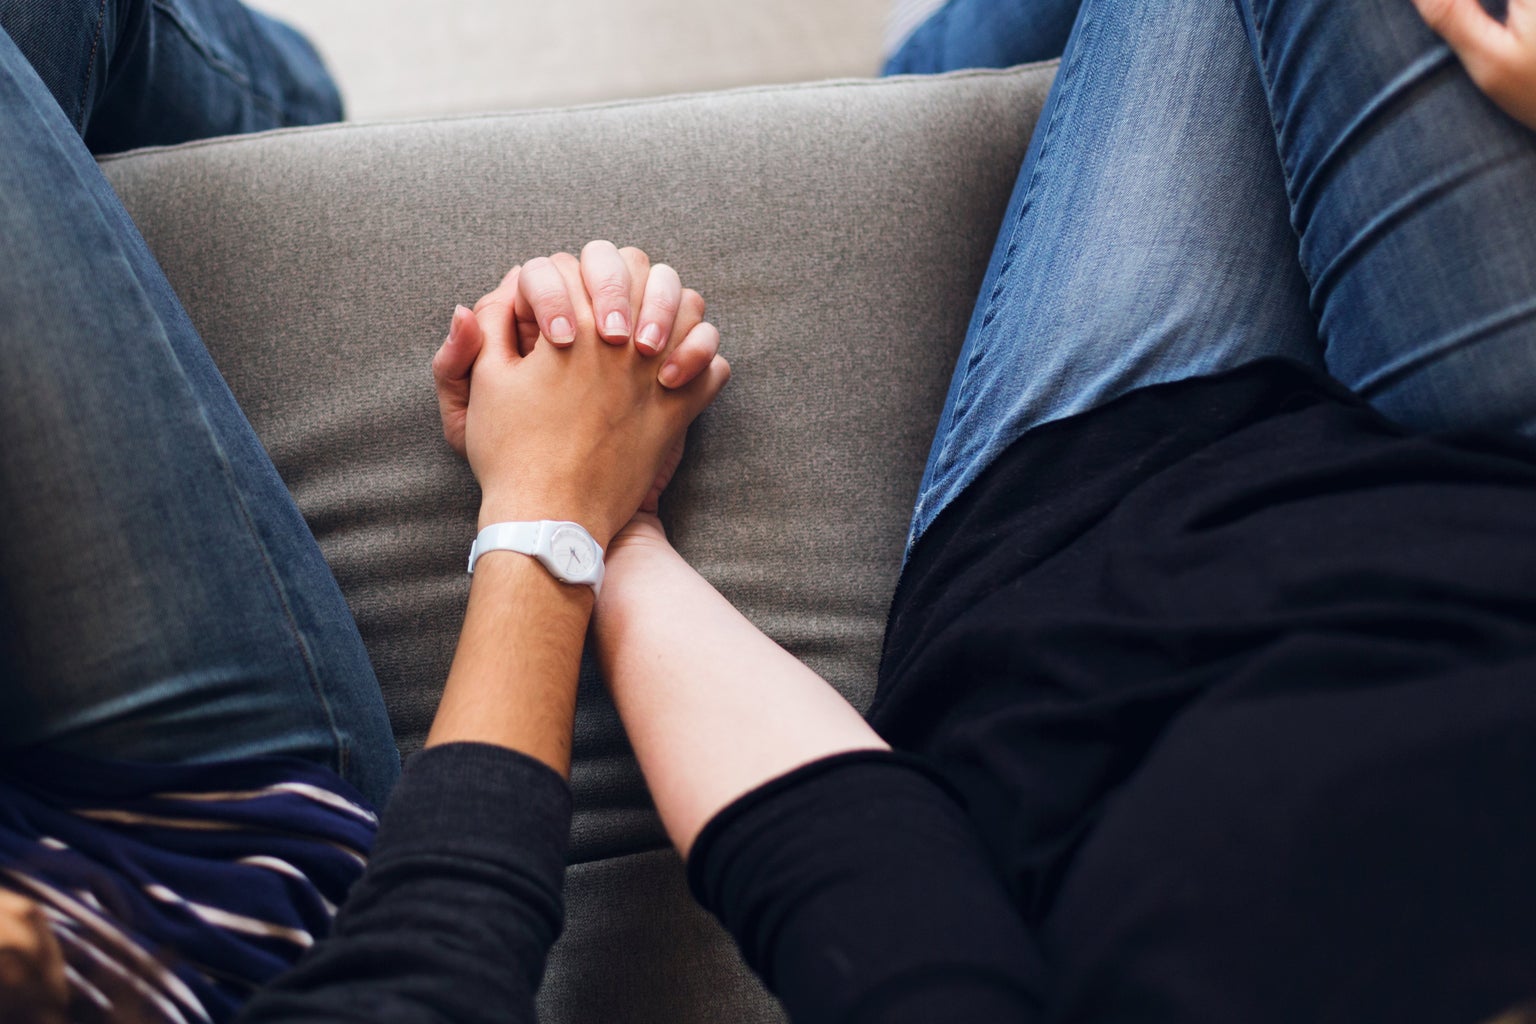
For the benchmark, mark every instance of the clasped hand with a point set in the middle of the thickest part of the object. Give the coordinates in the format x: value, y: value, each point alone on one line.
x: 570, y: 387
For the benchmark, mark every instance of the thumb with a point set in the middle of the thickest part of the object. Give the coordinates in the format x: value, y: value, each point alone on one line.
x: 456, y: 357
x: 493, y: 316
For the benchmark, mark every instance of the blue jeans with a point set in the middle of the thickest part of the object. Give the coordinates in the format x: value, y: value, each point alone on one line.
x: 1211, y: 183
x: 989, y: 34
x: 161, y: 598
x: 133, y: 73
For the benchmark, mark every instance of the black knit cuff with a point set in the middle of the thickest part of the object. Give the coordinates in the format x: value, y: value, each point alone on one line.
x: 479, y: 800
x: 745, y: 804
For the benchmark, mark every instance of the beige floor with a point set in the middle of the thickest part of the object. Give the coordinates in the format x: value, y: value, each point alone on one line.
x: 404, y: 59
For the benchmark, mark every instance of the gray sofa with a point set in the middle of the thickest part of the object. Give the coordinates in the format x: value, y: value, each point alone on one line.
x: 839, y: 232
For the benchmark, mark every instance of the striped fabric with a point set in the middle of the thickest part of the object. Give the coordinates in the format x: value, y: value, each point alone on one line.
x: 176, y: 891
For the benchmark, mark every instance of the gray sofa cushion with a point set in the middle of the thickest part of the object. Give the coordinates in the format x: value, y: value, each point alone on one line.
x: 838, y: 231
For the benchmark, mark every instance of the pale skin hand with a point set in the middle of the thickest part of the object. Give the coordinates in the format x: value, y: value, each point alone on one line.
x: 1500, y: 58
x: 524, y: 307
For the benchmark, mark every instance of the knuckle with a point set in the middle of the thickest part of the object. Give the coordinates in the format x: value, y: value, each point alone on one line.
x: 565, y: 262
x: 546, y: 293
x: 610, y: 291
x: 662, y: 303
x: 549, y: 301
x: 636, y: 258
x: 693, y: 303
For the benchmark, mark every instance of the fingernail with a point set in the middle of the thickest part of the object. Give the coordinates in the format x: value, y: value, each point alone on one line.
x: 617, y: 323
x: 650, y: 337
x: 560, y: 330
x: 669, y: 375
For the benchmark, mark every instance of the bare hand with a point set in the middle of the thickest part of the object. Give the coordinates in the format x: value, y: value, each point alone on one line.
x: 1500, y: 58
x: 581, y: 429
x: 525, y: 307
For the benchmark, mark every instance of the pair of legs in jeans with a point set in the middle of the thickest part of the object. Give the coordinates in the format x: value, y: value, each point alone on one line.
x: 162, y: 599
x: 1212, y: 182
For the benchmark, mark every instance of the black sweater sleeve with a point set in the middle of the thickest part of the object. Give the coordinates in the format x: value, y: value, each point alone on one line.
x: 461, y: 901
x: 857, y: 888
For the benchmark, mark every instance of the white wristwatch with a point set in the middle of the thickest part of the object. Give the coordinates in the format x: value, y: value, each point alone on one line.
x: 567, y: 550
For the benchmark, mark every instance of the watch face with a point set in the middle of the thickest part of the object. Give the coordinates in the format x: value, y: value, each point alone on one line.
x: 573, y: 552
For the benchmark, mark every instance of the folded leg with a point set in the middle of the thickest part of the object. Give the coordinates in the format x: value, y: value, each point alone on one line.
x: 1147, y: 240
x: 133, y: 73
x: 160, y: 596
x: 1412, y: 196
x: 985, y: 34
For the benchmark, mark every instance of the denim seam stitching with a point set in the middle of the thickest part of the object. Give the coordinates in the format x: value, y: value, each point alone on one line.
x: 1266, y: 83
x: 90, y: 67
x: 279, y: 589
x: 1062, y: 80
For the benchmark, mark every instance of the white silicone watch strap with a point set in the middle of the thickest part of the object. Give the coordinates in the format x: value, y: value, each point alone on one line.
x: 538, y: 539
x: 520, y: 537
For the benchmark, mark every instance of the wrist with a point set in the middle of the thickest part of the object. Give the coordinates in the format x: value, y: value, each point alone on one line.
x: 565, y: 549
x: 639, y: 564
x: 527, y: 509
x: 503, y: 572
x: 643, y: 538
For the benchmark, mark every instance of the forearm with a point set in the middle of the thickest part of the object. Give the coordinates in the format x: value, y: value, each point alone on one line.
x: 712, y: 706
x: 513, y: 679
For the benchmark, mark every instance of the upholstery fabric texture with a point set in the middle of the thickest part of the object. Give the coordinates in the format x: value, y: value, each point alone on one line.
x: 838, y: 231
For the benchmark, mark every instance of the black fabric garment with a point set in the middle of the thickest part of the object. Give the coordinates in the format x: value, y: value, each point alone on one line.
x: 454, y: 917
x: 859, y: 891
x: 1238, y: 682
x: 1237, y: 685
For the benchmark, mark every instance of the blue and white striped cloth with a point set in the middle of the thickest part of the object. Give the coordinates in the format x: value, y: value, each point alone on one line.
x: 176, y: 891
